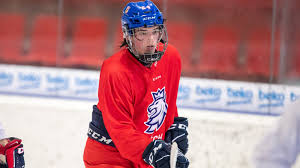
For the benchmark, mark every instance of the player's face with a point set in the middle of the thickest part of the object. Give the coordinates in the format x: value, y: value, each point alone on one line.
x: 145, y: 40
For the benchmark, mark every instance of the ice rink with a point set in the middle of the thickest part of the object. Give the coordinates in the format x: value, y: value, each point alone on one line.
x: 54, y: 132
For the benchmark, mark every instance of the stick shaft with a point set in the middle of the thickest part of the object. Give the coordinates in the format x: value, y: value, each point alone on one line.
x: 173, y: 155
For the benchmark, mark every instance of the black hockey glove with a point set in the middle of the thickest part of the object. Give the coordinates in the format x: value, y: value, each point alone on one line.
x: 157, y: 154
x: 14, y: 153
x: 178, y: 133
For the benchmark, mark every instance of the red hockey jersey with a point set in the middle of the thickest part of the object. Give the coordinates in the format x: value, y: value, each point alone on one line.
x: 138, y: 103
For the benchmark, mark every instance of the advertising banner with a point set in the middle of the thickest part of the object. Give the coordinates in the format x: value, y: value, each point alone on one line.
x: 208, y: 94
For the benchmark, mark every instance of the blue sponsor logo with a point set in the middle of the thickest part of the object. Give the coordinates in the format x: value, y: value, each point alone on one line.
x: 29, y: 80
x: 271, y: 99
x: 57, y: 83
x: 6, y: 79
x: 208, y: 94
x: 183, y: 92
x: 239, y: 96
x: 86, y: 86
x: 294, y: 96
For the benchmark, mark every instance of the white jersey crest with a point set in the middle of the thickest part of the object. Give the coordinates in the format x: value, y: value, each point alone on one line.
x: 157, y: 111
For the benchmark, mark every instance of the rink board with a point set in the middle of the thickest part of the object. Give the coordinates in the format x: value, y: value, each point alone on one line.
x: 203, y: 94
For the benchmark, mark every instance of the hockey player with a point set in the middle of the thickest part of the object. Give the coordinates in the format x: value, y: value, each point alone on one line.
x: 281, y: 147
x: 11, y: 151
x: 136, y: 119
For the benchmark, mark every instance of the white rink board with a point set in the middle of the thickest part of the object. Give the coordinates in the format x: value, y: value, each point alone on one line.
x: 54, y: 132
x: 201, y: 94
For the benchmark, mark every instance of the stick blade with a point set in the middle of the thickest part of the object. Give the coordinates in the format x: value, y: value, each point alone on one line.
x: 173, y: 155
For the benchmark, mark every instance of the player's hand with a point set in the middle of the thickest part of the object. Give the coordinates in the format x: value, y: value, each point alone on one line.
x: 3, y: 142
x: 157, y: 154
x: 178, y: 133
x: 14, y: 153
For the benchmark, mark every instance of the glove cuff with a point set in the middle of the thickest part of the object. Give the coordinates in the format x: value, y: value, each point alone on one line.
x: 11, y: 143
x: 181, y: 120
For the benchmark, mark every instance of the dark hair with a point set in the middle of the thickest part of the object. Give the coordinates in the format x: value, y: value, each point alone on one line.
x: 124, y: 43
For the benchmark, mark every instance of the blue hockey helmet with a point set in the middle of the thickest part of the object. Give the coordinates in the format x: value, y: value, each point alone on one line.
x: 141, y: 14
x: 144, y: 14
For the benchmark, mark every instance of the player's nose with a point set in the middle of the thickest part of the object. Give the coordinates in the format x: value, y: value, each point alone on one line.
x: 152, y: 39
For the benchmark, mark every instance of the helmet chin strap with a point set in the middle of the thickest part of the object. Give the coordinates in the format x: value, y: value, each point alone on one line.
x: 137, y: 57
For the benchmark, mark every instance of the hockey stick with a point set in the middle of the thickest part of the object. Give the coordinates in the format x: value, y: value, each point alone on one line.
x: 173, y: 155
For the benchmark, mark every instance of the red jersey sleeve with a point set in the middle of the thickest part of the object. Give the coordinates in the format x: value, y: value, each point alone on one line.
x: 175, y: 78
x: 177, y: 74
x: 116, y: 103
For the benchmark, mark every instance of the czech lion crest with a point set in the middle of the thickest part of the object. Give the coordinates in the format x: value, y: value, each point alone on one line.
x: 157, y: 111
